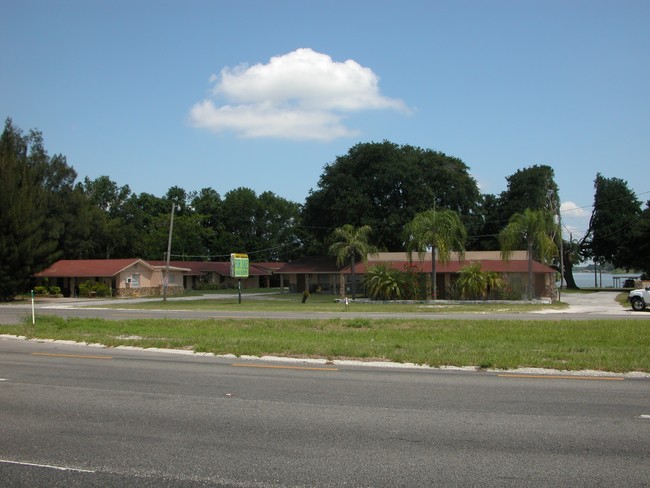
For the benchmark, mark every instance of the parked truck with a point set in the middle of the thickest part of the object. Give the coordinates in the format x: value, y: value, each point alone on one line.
x: 639, y: 299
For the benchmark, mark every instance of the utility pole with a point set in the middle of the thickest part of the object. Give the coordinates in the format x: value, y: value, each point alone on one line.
x: 169, y: 250
x: 555, y: 209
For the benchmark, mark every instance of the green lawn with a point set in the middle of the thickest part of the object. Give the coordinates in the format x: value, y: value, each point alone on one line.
x: 292, y: 302
x: 618, y: 346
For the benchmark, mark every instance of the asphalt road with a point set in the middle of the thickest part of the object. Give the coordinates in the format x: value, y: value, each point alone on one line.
x: 74, y: 415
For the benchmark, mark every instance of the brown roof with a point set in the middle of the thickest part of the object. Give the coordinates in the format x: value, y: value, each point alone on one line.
x: 219, y: 267
x: 512, y: 266
x: 311, y: 264
x: 89, y: 268
x: 270, y: 266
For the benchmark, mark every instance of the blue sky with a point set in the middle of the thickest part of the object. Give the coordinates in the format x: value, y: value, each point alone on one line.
x: 263, y: 94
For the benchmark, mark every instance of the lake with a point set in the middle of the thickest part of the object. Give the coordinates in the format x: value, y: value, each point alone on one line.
x: 605, y: 280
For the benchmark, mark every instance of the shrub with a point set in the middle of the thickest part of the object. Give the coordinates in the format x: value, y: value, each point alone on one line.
x: 94, y: 289
x: 54, y: 290
x: 383, y: 283
x: 47, y: 290
x: 40, y: 290
x: 414, y: 283
x: 209, y: 286
x: 475, y: 284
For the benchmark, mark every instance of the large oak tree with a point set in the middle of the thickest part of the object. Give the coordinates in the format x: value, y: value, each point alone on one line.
x: 384, y: 185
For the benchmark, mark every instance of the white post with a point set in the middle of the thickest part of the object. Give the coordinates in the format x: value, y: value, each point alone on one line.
x: 33, y: 313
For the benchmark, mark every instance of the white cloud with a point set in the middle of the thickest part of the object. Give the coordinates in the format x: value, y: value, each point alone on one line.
x: 299, y: 95
x: 570, y: 209
x: 575, y: 220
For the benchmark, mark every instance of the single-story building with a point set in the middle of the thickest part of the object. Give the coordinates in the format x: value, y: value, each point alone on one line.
x: 320, y: 273
x: 312, y: 273
x: 137, y: 277
x: 218, y: 272
x: 125, y: 277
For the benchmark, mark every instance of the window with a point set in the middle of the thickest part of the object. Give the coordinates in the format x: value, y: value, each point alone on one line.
x: 135, y: 280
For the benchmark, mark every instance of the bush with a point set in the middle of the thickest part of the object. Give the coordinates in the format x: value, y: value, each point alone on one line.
x: 208, y: 286
x: 40, y: 290
x: 94, y: 289
x: 383, y: 283
x: 47, y: 290
x: 476, y: 284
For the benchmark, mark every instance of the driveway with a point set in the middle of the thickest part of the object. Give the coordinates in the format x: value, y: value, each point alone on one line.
x: 596, y: 303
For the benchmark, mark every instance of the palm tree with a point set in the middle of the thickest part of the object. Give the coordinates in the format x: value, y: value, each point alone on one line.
x: 383, y: 283
x: 476, y: 283
x: 438, y: 230
x: 349, y: 244
x: 535, y: 228
x: 472, y: 281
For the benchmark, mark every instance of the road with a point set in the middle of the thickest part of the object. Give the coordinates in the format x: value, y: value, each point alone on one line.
x: 583, y: 306
x: 74, y: 415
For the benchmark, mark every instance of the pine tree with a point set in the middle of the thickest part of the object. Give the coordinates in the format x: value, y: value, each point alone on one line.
x: 27, y: 242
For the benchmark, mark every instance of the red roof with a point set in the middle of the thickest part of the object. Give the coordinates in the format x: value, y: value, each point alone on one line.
x: 89, y: 268
x: 311, y: 264
x: 220, y: 267
x: 498, y: 266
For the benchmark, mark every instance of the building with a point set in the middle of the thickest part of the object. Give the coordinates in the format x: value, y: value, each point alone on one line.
x: 320, y: 273
x: 137, y: 277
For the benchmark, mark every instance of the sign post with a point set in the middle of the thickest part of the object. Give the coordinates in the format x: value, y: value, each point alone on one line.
x: 33, y: 313
x: 239, y: 268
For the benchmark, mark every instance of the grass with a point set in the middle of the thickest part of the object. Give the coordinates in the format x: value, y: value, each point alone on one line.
x: 617, y: 346
x: 291, y: 302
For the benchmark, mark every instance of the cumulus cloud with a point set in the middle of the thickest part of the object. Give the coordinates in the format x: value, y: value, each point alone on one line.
x: 570, y: 209
x: 300, y: 95
x: 575, y: 219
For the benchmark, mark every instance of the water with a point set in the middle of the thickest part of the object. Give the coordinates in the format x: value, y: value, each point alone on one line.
x: 605, y: 280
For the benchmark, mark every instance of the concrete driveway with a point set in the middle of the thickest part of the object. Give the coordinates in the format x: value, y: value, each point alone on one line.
x: 597, y: 303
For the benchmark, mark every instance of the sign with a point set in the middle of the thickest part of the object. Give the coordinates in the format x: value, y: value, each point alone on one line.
x: 239, y: 265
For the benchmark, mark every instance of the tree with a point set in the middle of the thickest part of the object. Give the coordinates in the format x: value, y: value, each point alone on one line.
x: 572, y: 255
x: 351, y: 243
x: 383, y: 283
x: 615, y: 214
x: 145, y: 221
x: 529, y: 188
x: 384, y: 185
x: 535, y: 229
x: 111, y: 235
x: 442, y: 232
x: 639, y: 243
x: 532, y: 188
x: 27, y: 243
x: 276, y: 222
x: 474, y: 283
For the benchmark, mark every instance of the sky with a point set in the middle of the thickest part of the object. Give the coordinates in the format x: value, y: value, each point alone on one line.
x: 264, y: 94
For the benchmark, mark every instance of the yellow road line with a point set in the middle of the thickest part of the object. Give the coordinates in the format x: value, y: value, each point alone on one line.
x: 561, y: 377
x: 70, y: 355
x: 268, y: 366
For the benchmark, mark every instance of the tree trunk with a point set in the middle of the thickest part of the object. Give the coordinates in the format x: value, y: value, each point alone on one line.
x: 530, y: 269
x: 434, y: 290
x: 354, y: 281
x: 568, y: 272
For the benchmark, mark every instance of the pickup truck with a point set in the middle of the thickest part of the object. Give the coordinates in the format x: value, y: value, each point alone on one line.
x: 639, y: 299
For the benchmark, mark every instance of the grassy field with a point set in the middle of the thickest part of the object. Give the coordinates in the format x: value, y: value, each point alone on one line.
x: 606, y: 345
x: 292, y: 302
